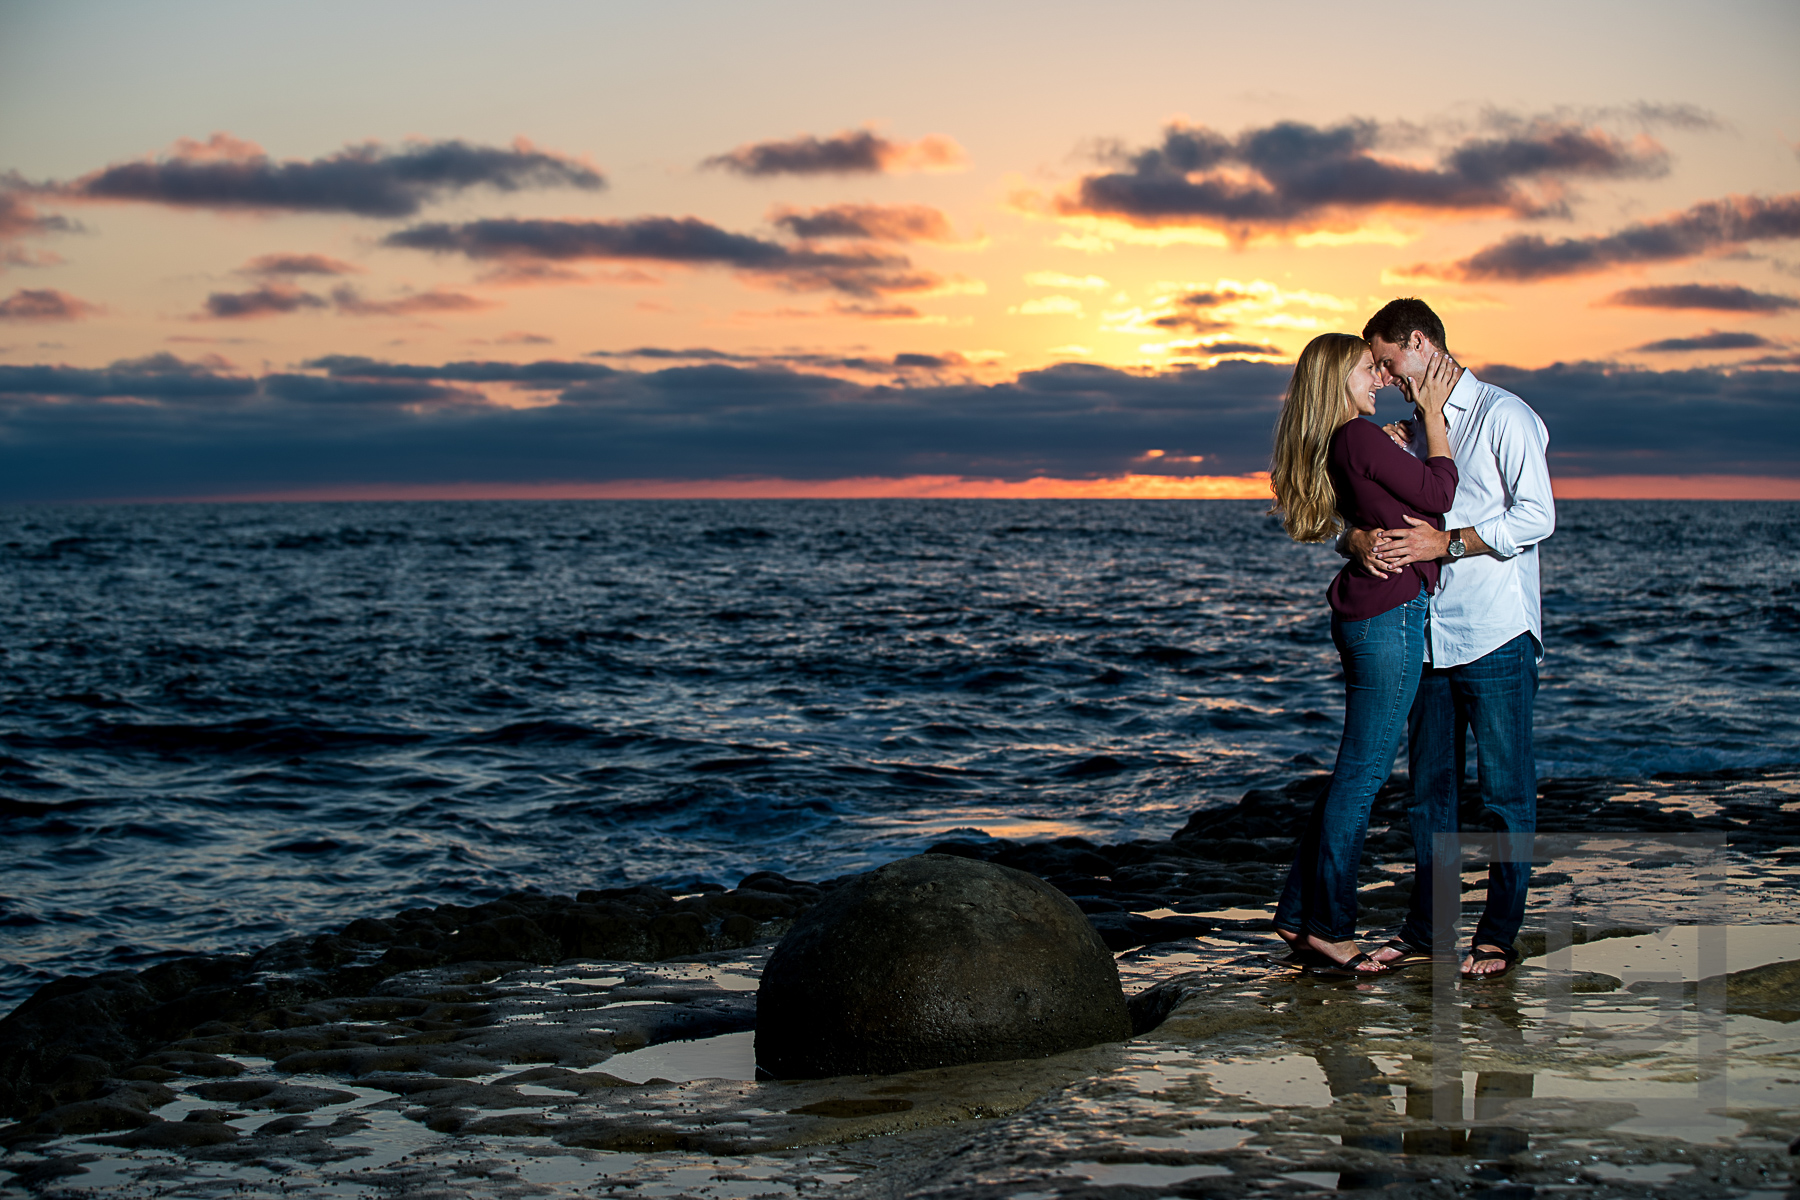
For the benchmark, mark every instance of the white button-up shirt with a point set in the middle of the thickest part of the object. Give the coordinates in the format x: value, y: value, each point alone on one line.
x: 1503, y: 493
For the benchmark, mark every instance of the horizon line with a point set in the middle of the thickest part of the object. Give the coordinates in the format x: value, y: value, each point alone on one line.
x: 1254, y: 486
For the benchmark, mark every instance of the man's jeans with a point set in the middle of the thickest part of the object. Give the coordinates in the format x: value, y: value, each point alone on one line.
x: 1381, y: 658
x: 1492, y: 696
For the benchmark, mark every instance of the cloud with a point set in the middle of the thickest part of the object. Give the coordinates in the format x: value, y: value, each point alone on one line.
x: 828, y: 362
x: 545, y: 374
x: 1295, y: 174
x: 351, y: 303
x: 298, y: 264
x: 1049, y: 306
x: 684, y: 241
x: 1056, y: 279
x: 279, y: 299
x: 1714, y: 297
x: 19, y: 220
x: 269, y: 300
x: 44, y: 304
x: 1228, y: 347
x: 154, y: 378
x: 368, y: 180
x: 851, y: 152
x: 1711, y: 340
x: 215, y: 432
x: 1194, y: 311
x: 513, y: 274
x: 1705, y: 228
x: 879, y: 312
x: 1227, y: 304
x: 877, y: 222
x: 310, y: 390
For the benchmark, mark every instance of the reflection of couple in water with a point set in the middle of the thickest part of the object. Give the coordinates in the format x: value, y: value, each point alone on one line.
x: 1436, y: 618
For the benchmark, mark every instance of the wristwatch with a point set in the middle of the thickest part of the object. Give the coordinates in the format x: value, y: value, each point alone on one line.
x: 1457, y: 547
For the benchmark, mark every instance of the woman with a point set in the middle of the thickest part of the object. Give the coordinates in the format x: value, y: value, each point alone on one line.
x: 1332, y: 469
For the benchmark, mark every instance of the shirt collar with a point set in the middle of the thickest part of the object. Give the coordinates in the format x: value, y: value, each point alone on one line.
x: 1463, y: 394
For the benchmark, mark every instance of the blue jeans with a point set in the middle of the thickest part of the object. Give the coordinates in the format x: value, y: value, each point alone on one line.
x: 1381, y: 658
x: 1492, y: 696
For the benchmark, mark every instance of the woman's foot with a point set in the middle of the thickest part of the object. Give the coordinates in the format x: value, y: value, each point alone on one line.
x: 1346, y: 955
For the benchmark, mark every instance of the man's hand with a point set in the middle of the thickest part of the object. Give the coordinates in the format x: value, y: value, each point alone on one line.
x: 1359, y: 546
x: 1400, y: 431
x: 1419, y: 542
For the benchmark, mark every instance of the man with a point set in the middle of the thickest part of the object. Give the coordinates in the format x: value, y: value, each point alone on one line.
x: 1484, y: 635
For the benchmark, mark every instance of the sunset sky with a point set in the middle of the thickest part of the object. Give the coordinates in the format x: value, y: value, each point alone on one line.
x: 796, y: 249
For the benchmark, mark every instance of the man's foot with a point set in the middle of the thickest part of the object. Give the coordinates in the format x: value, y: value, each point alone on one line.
x: 1398, y: 952
x: 1345, y: 956
x: 1489, y: 960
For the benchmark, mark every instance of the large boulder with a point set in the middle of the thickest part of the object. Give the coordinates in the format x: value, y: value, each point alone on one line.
x: 932, y: 961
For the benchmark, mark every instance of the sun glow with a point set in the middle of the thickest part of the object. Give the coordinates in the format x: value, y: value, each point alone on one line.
x: 946, y: 487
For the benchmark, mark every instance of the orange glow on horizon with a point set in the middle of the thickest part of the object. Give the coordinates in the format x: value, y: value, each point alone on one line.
x: 957, y: 487
x: 1676, y: 487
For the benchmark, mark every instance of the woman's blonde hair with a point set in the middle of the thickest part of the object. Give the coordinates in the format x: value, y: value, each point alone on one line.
x: 1316, y: 403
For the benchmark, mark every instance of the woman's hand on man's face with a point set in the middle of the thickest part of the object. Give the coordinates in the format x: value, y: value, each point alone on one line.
x: 1433, y: 387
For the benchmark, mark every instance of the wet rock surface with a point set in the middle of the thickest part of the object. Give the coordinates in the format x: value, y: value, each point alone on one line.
x: 1597, y: 1068
x: 935, y: 961
x: 73, y: 1033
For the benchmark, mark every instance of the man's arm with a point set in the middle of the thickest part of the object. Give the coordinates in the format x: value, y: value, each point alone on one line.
x: 1419, y: 542
x: 1519, y: 446
x: 1521, y: 443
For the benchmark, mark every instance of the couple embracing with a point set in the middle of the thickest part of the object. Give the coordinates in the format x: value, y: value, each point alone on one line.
x: 1436, y: 617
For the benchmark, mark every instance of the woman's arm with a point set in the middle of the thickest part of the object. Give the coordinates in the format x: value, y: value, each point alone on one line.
x: 1430, y: 393
x: 1428, y: 486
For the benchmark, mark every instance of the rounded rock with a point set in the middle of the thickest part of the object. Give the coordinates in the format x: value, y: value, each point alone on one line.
x: 933, y: 961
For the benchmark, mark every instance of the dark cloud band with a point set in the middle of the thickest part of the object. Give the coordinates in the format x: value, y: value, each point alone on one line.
x: 1705, y: 228
x: 368, y: 180
x: 1713, y: 340
x: 279, y: 299
x: 1712, y: 297
x: 678, y: 240
x: 1293, y: 173
x: 213, y: 432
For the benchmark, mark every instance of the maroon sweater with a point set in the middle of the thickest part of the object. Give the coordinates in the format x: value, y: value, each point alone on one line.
x: 1377, y: 484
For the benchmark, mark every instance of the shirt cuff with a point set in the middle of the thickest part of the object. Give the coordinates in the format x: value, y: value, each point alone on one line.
x: 1498, y: 538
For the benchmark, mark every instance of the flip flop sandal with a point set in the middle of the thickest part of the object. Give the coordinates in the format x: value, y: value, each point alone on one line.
x: 1509, y: 956
x: 1348, y: 968
x: 1410, y: 955
x: 1303, y: 958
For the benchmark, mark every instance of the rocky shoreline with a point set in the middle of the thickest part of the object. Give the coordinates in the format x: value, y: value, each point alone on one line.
x: 438, y: 1008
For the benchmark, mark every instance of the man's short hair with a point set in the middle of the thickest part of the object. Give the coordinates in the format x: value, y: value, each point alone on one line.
x: 1397, y: 320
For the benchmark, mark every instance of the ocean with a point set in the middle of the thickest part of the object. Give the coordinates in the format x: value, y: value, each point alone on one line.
x: 228, y: 724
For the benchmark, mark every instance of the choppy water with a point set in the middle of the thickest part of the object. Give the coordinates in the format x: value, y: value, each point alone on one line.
x: 224, y: 724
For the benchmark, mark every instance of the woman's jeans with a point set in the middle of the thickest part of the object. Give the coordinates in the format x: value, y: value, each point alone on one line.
x: 1382, y: 658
